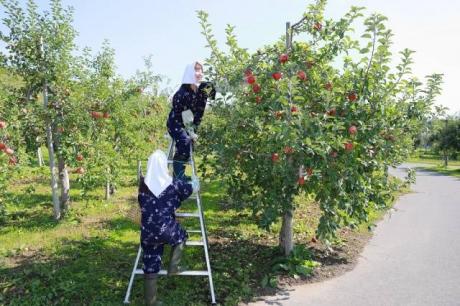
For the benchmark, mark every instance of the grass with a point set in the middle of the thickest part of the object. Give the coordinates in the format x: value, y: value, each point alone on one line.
x: 436, y: 163
x: 422, y: 157
x: 87, y: 258
x: 449, y: 170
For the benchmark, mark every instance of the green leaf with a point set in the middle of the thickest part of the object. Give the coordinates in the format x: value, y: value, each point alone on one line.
x: 273, y: 282
x: 264, y: 281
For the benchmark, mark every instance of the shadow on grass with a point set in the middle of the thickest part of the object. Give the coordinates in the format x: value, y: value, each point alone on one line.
x: 31, y: 211
x: 121, y: 224
x: 23, y: 200
x: 96, y: 271
x: 428, y: 171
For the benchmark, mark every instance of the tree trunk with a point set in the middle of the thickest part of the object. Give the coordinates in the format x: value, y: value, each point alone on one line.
x: 446, y: 158
x: 107, y: 190
x: 49, y: 140
x: 109, y: 187
x: 65, y: 184
x: 286, y: 233
x: 139, y: 171
x: 40, y: 157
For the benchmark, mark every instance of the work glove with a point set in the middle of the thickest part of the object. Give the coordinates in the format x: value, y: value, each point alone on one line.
x: 187, y: 118
x: 193, y: 135
x: 195, y: 184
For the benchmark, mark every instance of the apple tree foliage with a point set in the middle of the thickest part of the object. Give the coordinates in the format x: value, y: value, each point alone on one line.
x: 321, y: 111
x: 98, y: 120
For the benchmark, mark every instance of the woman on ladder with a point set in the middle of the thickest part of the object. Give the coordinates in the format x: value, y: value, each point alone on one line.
x: 159, y: 197
x: 188, y: 106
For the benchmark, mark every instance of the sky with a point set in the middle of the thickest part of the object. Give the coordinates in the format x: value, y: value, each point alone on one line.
x: 170, y: 31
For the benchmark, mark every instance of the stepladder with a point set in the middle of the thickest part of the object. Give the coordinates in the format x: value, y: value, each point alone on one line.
x: 196, y: 215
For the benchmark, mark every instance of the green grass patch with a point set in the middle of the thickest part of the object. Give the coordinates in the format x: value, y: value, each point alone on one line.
x: 87, y: 257
x: 449, y: 170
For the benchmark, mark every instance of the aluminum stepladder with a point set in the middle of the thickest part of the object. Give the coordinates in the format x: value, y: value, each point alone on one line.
x: 198, y: 214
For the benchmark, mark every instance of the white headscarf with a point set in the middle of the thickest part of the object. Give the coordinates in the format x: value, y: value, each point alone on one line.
x: 190, y: 76
x: 157, y: 177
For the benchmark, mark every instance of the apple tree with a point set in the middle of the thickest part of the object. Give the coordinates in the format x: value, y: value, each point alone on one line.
x: 91, y: 119
x: 323, y: 114
x: 9, y: 136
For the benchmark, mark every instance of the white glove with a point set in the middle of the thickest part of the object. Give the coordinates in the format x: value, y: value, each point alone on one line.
x: 187, y: 117
x: 193, y: 135
x: 195, y: 184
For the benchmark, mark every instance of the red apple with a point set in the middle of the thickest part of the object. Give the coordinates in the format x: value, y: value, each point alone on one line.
x: 331, y: 112
x: 2, y: 146
x: 60, y: 129
x: 317, y: 26
x: 79, y: 170
x: 352, y: 130
x: 348, y: 146
x: 12, y: 161
x: 352, y: 96
x: 8, y: 151
x: 328, y: 86
x: 288, y: 150
x: 275, y: 157
x: 301, y: 180
x: 79, y: 157
x: 310, y: 64
x: 2, y: 124
x: 294, y: 109
x: 277, y: 75
x: 301, y: 75
x: 250, y: 79
x: 248, y: 72
x: 309, y: 171
x: 258, y: 100
x: 279, y: 114
x: 256, y: 88
x: 96, y: 115
x: 283, y: 58
x: 333, y: 154
x: 106, y: 115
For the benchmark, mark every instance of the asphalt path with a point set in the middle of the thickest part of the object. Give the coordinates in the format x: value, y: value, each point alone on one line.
x: 413, y: 257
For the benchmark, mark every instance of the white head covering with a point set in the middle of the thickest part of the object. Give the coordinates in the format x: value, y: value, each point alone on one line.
x: 157, y: 177
x: 189, y: 75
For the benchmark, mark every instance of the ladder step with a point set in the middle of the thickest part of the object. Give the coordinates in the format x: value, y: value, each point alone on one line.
x: 189, y: 272
x: 194, y: 242
x: 202, y: 242
x: 188, y: 215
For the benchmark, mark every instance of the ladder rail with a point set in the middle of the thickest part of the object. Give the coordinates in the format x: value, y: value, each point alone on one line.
x: 133, y: 274
x: 203, y: 233
x: 203, y: 242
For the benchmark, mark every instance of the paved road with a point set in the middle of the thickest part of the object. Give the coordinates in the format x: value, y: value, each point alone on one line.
x: 412, y: 259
